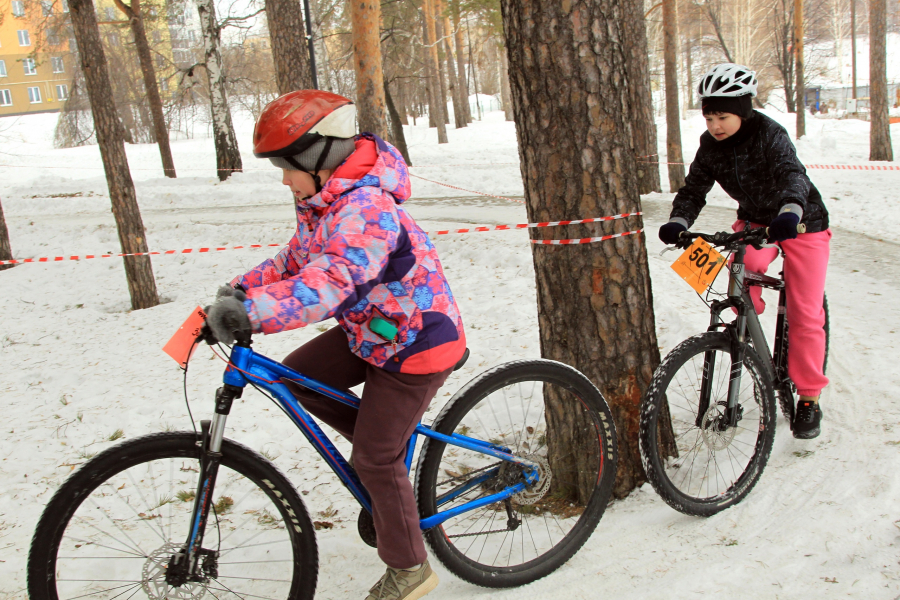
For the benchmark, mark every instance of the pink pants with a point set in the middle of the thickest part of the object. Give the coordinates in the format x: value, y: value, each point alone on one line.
x: 805, y: 264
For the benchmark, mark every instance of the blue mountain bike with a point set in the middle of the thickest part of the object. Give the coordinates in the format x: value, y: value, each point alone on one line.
x: 512, y: 478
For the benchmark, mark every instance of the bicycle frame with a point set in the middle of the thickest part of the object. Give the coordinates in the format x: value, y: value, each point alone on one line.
x: 248, y: 367
x: 747, y: 322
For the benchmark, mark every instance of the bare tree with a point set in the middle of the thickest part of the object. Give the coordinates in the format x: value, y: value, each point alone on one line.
x: 798, y: 67
x: 366, y: 17
x: 434, y: 110
x: 879, y: 126
x: 782, y: 25
x: 132, y: 237
x: 460, y: 59
x: 135, y: 16
x: 228, y: 157
x: 289, y: 48
x: 673, y: 114
x: 595, y: 308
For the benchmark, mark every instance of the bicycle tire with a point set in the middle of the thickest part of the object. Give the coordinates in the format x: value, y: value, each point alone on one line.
x: 786, y: 398
x: 71, y: 513
x: 563, y: 385
x: 662, y: 467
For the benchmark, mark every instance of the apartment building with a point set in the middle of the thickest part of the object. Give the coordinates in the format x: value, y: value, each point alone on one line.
x: 35, y: 56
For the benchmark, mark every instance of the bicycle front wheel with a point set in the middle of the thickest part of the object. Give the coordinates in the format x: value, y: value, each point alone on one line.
x: 111, y: 529
x: 541, y: 410
x: 695, y: 462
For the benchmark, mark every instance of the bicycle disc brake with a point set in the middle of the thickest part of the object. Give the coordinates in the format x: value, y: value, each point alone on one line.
x: 716, y: 434
x: 153, y: 577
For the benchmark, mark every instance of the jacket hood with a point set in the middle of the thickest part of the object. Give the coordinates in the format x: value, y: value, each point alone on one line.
x: 374, y: 163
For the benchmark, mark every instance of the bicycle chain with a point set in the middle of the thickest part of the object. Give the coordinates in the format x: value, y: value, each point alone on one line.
x: 469, y: 474
x: 482, y: 533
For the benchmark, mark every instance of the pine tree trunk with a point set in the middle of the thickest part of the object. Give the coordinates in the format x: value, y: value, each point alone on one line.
x: 569, y: 74
x: 439, y: 49
x: 435, y: 112
x: 689, y: 74
x: 366, y: 18
x: 459, y: 115
x: 673, y: 114
x: 879, y: 125
x: 640, y: 101
x: 505, y: 95
x: 460, y: 60
x: 798, y: 70
x: 5, y: 247
x: 290, y: 51
x: 160, y: 130
x: 397, y: 137
x: 138, y: 270
x: 228, y: 157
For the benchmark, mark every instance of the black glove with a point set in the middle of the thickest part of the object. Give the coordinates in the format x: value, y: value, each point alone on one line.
x: 784, y: 227
x: 669, y: 232
x: 227, y: 318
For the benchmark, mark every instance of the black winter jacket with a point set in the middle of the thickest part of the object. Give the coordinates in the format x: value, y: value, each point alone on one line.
x: 758, y: 167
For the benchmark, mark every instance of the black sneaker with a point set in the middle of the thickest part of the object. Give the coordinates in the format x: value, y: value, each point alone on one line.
x: 806, y: 420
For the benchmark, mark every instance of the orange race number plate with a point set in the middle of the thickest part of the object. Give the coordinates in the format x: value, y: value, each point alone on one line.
x: 699, y: 265
x: 181, y: 347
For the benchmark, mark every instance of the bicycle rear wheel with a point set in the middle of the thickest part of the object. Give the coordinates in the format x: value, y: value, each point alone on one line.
x: 697, y: 464
x: 541, y: 410
x: 112, y: 527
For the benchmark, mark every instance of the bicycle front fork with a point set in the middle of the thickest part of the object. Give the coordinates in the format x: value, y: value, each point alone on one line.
x: 737, y: 334
x: 193, y: 563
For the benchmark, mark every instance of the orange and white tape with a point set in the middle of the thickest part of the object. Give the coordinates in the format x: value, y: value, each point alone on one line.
x: 589, y: 240
x: 479, y: 228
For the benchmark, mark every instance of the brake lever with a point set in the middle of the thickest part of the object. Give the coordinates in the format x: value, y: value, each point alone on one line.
x: 667, y: 249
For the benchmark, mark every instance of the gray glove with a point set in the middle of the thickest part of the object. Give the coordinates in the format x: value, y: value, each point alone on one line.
x: 227, y: 317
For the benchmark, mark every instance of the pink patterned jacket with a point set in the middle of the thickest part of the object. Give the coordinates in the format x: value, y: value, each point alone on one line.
x: 356, y: 256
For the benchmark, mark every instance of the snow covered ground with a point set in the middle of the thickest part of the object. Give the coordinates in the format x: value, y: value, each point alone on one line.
x: 824, y: 520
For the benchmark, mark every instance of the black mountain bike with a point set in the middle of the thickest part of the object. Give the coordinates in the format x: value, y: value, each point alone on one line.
x: 708, y: 417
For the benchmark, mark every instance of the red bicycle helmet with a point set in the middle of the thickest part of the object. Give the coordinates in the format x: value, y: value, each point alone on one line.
x: 295, y: 121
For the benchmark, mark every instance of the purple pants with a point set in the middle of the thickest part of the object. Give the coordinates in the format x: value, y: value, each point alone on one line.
x: 805, y: 264
x: 391, y: 406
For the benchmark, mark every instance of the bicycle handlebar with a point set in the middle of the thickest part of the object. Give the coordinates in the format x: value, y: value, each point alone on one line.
x: 744, y: 237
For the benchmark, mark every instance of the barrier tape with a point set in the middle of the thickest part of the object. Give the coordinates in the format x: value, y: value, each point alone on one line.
x: 809, y: 166
x: 475, y: 229
x: 589, y: 240
x: 465, y: 190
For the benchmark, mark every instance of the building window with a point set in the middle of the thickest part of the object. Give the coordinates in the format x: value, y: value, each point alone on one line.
x: 28, y: 65
x: 53, y: 38
x: 114, y: 40
x: 153, y: 11
x: 24, y: 37
x: 65, y: 6
x: 164, y: 85
x: 18, y: 8
x: 62, y: 92
x: 2, y: 68
x: 47, y: 8
x: 160, y: 61
x: 34, y: 95
x: 157, y: 35
x: 110, y: 13
x: 5, y: 98
x: 58, y: 64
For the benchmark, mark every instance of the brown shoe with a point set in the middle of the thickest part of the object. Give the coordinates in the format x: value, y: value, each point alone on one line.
x: 400, y: 584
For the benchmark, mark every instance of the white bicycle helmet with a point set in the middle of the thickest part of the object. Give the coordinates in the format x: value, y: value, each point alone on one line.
x: 728, y: 80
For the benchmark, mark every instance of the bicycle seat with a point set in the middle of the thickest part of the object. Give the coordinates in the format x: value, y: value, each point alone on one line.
x: 462, y: 361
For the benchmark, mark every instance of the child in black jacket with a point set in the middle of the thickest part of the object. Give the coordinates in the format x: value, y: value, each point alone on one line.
x: 753, y: 159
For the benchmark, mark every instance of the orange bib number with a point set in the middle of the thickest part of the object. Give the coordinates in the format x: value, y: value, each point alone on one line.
x: 699, y: 265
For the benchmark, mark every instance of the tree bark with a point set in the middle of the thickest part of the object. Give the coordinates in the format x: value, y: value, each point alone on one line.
x: 160, y: 130
x: 439, y: 49
x: 290, y: 51
x: 5, y: 247
x: 673, y: 115
x: 640, y: 103
x: 435, y: 111
x: 569, y: 76
x: 228, y: 157
x: 798, y: 70
x: 879, y: 124
x: 132, y: 238
x: 397, y: 137
x: 504, y: 84
x: 689, y: 74
x: 853, y: 44
x: 460, y: 60
x: 459, y: 114
x: 366, y: 18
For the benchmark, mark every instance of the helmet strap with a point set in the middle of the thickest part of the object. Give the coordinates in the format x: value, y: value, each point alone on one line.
x: 319, y: 162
